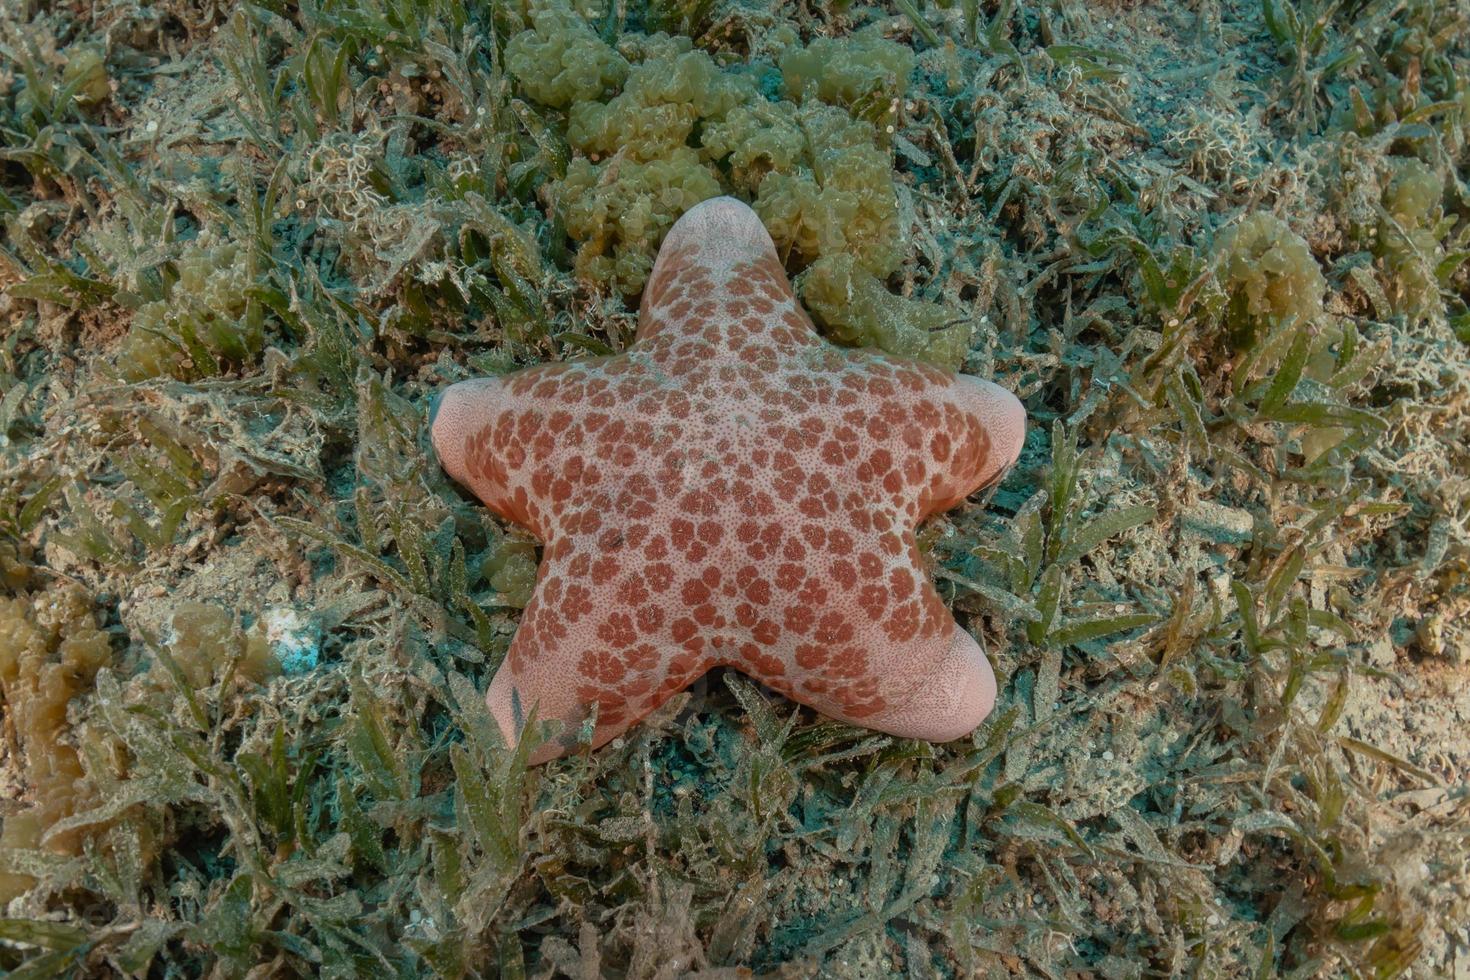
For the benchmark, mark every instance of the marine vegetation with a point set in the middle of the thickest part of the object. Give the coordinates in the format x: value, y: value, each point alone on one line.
x: 1219, y: 249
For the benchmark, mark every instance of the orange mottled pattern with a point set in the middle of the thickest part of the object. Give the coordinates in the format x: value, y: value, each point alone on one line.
x: 731, y: 490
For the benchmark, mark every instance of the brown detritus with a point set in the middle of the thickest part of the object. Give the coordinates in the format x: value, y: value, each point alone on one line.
x: 206, y: 643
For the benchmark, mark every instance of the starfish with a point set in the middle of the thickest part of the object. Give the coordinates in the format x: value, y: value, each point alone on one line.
x: 731, y: 490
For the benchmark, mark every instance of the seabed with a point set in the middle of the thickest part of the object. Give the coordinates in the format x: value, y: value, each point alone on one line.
x: 1218, y: 248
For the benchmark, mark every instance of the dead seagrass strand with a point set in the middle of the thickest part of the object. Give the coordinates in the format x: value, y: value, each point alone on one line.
x: 732, y: 490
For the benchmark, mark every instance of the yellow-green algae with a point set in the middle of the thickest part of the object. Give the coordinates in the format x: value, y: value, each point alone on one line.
x: 837, y: 197
x: 656, y: 112
x: 1274, y: 289
x: 1269, y: 276
x: 616, y: 209
x: 560, y: 60
x: 82, y: 80
x: 853, y: 307
x: 1409, y: 239
x: 863, y: 71
x: 85, y: 75
x: 51, y: 649
x: 206, y: 644
x: 15, y: 565
x: 510, y: 569
x: 753, y: 139
x: 682, y: 129
x: 205, y: 317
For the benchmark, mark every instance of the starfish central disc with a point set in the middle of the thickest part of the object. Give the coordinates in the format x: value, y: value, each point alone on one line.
x: 732, y: 489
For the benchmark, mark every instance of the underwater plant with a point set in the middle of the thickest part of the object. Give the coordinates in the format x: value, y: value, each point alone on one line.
x: 854, y: 307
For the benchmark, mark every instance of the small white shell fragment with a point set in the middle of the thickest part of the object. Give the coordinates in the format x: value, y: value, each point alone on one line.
x: 295, y: 639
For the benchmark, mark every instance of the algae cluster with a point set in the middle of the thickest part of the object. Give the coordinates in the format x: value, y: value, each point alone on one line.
x: 1270, y: 276
x: 815, y: 163
x: 1220, y: 251
x: 1411, y: 236
x: 50, y: 652
x: 854, y: 307
x: 561, y: 61
x: 204, y: 317
x: 207, y: 645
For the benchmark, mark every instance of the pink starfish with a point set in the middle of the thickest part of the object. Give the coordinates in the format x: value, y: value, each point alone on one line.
x: 732, y: 489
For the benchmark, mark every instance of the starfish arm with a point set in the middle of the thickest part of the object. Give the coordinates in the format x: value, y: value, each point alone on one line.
x: 982, y: 434
x: 880, y: 649
x: 524, y: 443
x: 718, y: 261
x: 937, y: 689
x: 595, y: 635
x: 473, y: 427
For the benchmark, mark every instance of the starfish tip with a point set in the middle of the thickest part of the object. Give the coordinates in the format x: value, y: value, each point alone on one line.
x: 1004, y: 418
x: 721, y: 226
x: 1010, y: 425
x: 454, y: 413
